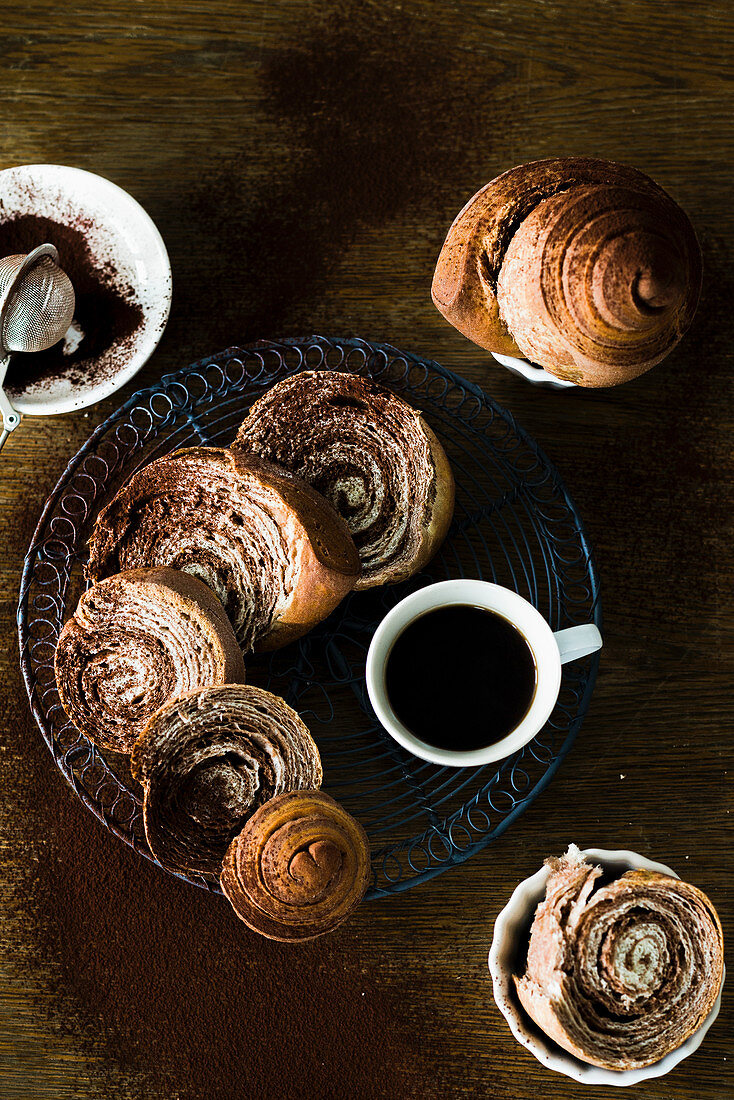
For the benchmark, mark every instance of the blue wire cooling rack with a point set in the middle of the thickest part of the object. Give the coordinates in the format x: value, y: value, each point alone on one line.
x: 514, y: 524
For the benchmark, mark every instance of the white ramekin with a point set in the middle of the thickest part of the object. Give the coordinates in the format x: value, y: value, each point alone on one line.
x: 512, y: 930
x: 531, y: 372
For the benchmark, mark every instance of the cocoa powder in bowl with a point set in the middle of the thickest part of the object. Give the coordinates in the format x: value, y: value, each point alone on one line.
x: 106, y: 315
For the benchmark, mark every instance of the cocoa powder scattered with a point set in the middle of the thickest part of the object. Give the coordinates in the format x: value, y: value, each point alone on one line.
x: 380, y: 121
x: 185, y: 1000
x: 106, y: 314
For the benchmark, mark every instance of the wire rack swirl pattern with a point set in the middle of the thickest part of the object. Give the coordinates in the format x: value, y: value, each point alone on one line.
x: 514, y: 524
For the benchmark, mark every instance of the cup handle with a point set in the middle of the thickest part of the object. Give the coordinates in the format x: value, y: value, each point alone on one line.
x: 578, y: 641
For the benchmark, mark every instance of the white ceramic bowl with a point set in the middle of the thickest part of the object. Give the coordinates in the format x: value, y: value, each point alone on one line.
x: 123, y: 232
x: 511, y: 933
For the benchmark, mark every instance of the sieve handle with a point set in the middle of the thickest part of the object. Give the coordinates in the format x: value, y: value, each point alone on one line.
x: 11, y: 416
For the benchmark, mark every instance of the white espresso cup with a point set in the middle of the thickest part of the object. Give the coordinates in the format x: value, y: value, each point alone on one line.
x: 549, y: 651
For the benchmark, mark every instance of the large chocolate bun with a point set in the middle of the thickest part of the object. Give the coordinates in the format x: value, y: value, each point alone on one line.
x: 585, y: 267
x: 208, y: 760
x: 135, y: 640
x: 274, y: 552
x: 370, y: 454
x: 299, y: 867
x: 622, y: 975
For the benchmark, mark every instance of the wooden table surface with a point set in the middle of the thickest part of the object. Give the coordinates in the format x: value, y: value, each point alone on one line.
x: 303, y: 161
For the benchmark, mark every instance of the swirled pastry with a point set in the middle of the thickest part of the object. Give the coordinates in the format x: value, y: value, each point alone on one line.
x: 274, y: 552
x: 585, y: 267
x: 208, y: 760
x: 622, y: 975
x: 370, y: 454
x: 135, y: 640
x: 299, y: 867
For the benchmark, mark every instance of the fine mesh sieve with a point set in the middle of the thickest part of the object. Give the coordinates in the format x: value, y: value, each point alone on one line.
x: 36, y: 308
x: 36, y: 301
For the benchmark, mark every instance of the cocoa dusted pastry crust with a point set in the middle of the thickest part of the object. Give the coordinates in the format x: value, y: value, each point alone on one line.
x: 275, y: 553
x: 299, y: 867
x: 135, y: 640
x: 621, y: 975
x: 370, y: 454
x: 585, y: 267
x: 208, y: 760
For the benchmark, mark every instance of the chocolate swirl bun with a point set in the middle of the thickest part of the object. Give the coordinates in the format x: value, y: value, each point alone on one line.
x: 210, y: 758
x: 585, y: 267
x: 274, y: 552
x: 370, y: 454
x: 299, y: 867
x: 622, y: 976
x: 134, y: 641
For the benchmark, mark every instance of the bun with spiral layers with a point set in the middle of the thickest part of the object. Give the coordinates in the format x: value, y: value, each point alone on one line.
x: 585, y: 267
x: 370, y: 454
x: 299, y: 867
x: 275, y: 553
x: 208, y: 760
x: 622, y: 975
x: 134, y: 641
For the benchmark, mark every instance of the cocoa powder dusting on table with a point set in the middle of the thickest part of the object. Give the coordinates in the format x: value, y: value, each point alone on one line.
x: 106, y: 314
x: 379, y: 124
x: 187, y: 1001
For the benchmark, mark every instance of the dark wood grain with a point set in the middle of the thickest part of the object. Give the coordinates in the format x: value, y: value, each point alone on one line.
x: 303, y: 161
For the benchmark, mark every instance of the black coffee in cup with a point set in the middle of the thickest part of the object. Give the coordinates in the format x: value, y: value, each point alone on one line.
x: 460, y: 677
